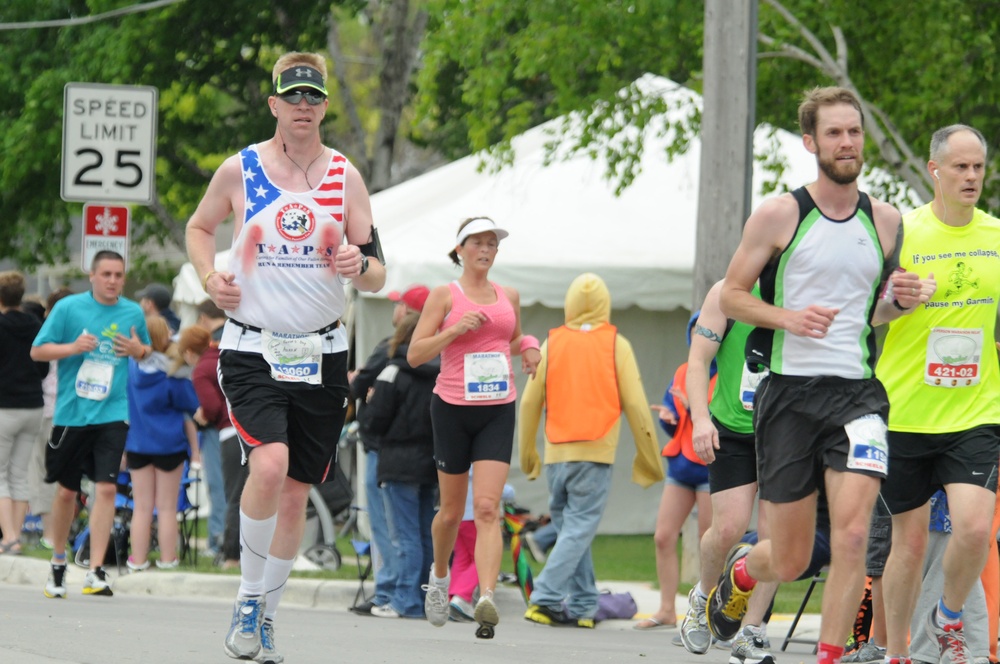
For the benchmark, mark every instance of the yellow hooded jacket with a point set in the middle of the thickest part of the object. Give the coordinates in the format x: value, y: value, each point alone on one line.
x: 588, y: 306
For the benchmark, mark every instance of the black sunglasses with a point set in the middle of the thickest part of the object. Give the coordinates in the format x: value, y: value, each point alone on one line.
x: 295, y: 96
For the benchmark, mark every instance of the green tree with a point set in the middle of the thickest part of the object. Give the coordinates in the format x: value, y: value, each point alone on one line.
x: 211, y: 62
x: 495, y: 67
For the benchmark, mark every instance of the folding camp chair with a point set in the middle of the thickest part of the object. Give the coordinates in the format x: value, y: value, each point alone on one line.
x: 361, y: 534
x: 818, y: 578
x: 118, y: 547
x: 363, y: 551
x: 187, y: 516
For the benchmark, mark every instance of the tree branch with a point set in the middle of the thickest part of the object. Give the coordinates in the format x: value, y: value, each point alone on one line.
x: 358, y: 153
x: 174, y: 228
x: 185, y: 163
x: 83, y: 20
x: 806, y: 33
x: 893, y: 147
x: 789, y: 51
x: 399, y: 46
x: 841, y: 42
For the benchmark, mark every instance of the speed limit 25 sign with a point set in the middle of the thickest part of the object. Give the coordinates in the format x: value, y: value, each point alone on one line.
x: 109, y: 143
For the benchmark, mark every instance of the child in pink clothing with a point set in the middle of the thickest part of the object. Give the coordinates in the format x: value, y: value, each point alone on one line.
x: 464, y: 577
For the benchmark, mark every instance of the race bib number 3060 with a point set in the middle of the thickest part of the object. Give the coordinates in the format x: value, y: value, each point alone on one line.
x: 294, y: 358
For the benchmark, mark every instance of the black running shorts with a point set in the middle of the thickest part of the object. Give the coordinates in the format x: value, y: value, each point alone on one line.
x: 799, y: 423
x: 466, y: 434
x: 306, y: 418
x: 164, y: 462
x: 922, y: 463
x: 735, y: 462
x: 94, y: 450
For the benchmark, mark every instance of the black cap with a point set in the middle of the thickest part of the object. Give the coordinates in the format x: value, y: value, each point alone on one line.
x: 158, y: 293
x: 299, y: 76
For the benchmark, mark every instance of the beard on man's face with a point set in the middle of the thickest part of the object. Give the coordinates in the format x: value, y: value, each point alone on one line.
x: 844, y: 172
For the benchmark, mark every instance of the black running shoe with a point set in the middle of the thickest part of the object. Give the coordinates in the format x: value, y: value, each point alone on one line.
x: 727, y: 604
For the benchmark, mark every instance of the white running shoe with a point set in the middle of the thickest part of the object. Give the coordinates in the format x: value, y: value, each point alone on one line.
x: 460, y: 610
x: 695, y: 635
x: 243, y: 640
x: 55, y: 587
x: 96, y: 583
x: 436, y: 601
x: 268, y: 654
x: 132, y: 567
x: 384, y: 611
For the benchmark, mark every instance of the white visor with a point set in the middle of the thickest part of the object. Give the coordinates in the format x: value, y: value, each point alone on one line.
x: 480, y: 225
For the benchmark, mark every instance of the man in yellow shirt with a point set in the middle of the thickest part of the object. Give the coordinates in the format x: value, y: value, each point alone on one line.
x: 586, y: 379
x: 939, y: 368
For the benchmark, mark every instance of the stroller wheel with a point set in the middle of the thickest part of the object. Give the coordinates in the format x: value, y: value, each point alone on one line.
x: 484, y: 632
x: 325, y: 556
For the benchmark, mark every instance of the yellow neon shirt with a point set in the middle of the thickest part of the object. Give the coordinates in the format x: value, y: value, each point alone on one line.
x: 933, y: 357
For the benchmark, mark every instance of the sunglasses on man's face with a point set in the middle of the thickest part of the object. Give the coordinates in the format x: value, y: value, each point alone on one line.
x: 295, y: 96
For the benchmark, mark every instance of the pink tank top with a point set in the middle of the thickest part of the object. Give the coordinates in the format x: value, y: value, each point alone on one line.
x: 493, y: 337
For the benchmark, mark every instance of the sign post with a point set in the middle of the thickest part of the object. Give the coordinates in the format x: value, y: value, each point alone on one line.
x: 104, y: 227
x: 109, y: 143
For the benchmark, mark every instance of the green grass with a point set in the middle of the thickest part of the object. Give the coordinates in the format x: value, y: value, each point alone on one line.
x: 633, y: 558
x: 616, y: 558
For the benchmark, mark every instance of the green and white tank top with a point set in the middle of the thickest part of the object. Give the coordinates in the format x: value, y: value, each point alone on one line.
x: 735, y: 383
x: 835, y: 263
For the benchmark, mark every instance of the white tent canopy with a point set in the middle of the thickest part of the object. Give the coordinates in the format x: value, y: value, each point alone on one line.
x: 564, y: 219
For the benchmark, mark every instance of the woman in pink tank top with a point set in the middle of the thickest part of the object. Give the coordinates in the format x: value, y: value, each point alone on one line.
x: 475, y: 326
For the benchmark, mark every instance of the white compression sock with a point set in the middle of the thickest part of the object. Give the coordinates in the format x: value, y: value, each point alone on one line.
x: 255, y: 541
x: 276, y: 573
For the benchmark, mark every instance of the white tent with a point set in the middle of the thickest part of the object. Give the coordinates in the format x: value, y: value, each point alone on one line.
x: 564, y: 219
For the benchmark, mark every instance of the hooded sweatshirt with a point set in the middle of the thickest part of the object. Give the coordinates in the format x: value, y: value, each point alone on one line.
x: 21, y: 386
x: 587, y: 310
x: 157, y: 403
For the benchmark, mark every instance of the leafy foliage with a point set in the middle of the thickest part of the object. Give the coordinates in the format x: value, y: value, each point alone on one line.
x: 495, y: 67
x: 211, y: 62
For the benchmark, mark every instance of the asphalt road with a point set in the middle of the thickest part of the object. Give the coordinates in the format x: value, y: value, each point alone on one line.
x: 138, y: 628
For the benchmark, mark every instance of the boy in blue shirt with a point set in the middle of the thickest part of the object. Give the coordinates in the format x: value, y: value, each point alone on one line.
x: 91, y: 335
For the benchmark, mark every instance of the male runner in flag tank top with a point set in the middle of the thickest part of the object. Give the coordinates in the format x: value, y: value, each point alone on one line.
x: 822, y: 255
x: 303, y: 228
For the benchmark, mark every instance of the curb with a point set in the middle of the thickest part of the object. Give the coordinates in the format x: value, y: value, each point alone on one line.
x: 330, y: 594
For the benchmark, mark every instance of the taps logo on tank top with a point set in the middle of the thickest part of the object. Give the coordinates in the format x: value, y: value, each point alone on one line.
x: 295, y: 222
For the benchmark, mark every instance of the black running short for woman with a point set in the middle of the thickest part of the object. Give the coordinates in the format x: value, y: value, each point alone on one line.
x: 164, y: 462
x: 466, y: 434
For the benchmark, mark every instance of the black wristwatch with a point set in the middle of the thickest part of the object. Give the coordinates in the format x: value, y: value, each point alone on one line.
x: 364, y: 265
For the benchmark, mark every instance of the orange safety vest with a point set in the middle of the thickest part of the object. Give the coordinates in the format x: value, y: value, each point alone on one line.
x: 683, y: 440
x: 578, y: 358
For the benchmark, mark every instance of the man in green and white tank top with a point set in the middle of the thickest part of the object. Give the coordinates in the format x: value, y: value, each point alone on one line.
x: 723, y: 438
x: 822, y: 256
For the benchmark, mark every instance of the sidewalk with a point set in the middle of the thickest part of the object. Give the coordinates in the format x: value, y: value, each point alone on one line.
x: 339, y: 594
